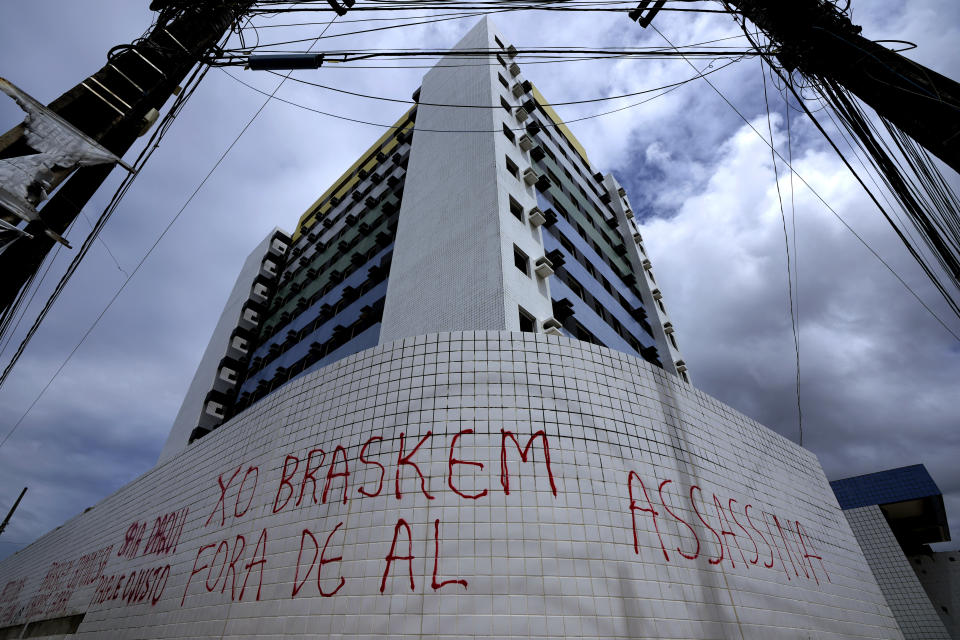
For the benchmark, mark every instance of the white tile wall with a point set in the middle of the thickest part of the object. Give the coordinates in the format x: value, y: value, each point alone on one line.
x: 939, y: 573
x: 446, y: 270
x: 907, y: 599
x: 576, y: 562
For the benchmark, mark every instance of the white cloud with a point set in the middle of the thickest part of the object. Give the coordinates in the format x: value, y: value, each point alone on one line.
x: 878, y: 375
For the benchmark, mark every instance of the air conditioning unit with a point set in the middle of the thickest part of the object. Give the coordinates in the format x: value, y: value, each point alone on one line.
x: 657, y: 295
x: 646, y: 265
x: 536, y: 217
x: 681, y: 366
x: 260, y: 291
x: 514, y: 69
x: 629, y: 214
x: 530, y: 176
x: 551, y: 327
x: 215, y: 409
x: 668, y: 327
x: 518, y: 90
x: 512, y: 51
x: 521, y: 114
x: 543, y: 267
x: 622, y: 192
x: 637, y: 237
x: 526, y: 142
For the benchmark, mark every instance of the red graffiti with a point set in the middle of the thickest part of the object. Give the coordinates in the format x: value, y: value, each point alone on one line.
x: 166, y: 533
x: 383, y: 471
x: 331, y: 474
x: 393, y: 557
x: 297, y: 583
x: 795, y: 545
x: 406, y: 460
x: 132, y: 540
x: 338, y: 469
x: 455, y: 461
x: 285, y: 483
x: 224, y: 562
x: 437, y: 585
x: 648, y: 509
x: 524, y: 453
x: 308, y: 475
x: 667, y: 508
x: 224, y: 488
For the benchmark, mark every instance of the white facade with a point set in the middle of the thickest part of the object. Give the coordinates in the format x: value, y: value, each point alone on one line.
x: 441, y: 530
x: 453, y: 263
x: 259, y: 261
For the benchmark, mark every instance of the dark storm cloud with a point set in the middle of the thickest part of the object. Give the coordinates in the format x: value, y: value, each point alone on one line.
x: 878, y: 382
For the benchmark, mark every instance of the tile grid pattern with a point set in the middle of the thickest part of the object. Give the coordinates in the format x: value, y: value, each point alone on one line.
x: 907, y: 599
x: 537, y: 564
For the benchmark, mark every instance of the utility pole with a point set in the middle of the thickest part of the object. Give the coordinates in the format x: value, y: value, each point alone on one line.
x: 113, y: 107
x: 815, y: 38
x: 3, y: 525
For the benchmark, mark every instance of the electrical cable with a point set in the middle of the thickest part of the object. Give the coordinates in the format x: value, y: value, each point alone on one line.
x: 479, y: 106
x: 796, y: 258
x: 137, y: 268
x: 550, y: 124
x: 786, y: 244
x: 821, y: 199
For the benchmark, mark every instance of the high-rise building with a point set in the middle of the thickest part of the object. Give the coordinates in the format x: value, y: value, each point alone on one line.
x: 451, y: 404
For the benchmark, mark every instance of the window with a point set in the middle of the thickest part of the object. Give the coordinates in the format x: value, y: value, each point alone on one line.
x: 527, y: 322
x: 516, y: 209
x: 673, y: 341
x: 505, y: 105
x: 503, y: 81
x: 501, y: 61
x: 521, y: 261
x: 497, y: 40
x: 509, y: 134
x: 513, y: 168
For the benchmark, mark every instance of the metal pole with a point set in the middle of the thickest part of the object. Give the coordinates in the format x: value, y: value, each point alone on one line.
x: 816, y: 39
x: 3, y: 525
x: 112, y: 107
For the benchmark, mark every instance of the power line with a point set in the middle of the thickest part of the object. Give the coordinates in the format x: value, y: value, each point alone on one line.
x: 794, y: 319
x: 137, y: 268
x: 668, y: 89
x: 819, y: 197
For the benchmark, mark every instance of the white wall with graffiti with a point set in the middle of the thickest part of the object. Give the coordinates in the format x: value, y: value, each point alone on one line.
x: 482, y: 484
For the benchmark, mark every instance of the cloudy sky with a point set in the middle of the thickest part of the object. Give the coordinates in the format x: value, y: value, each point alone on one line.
x: 879, y: 376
